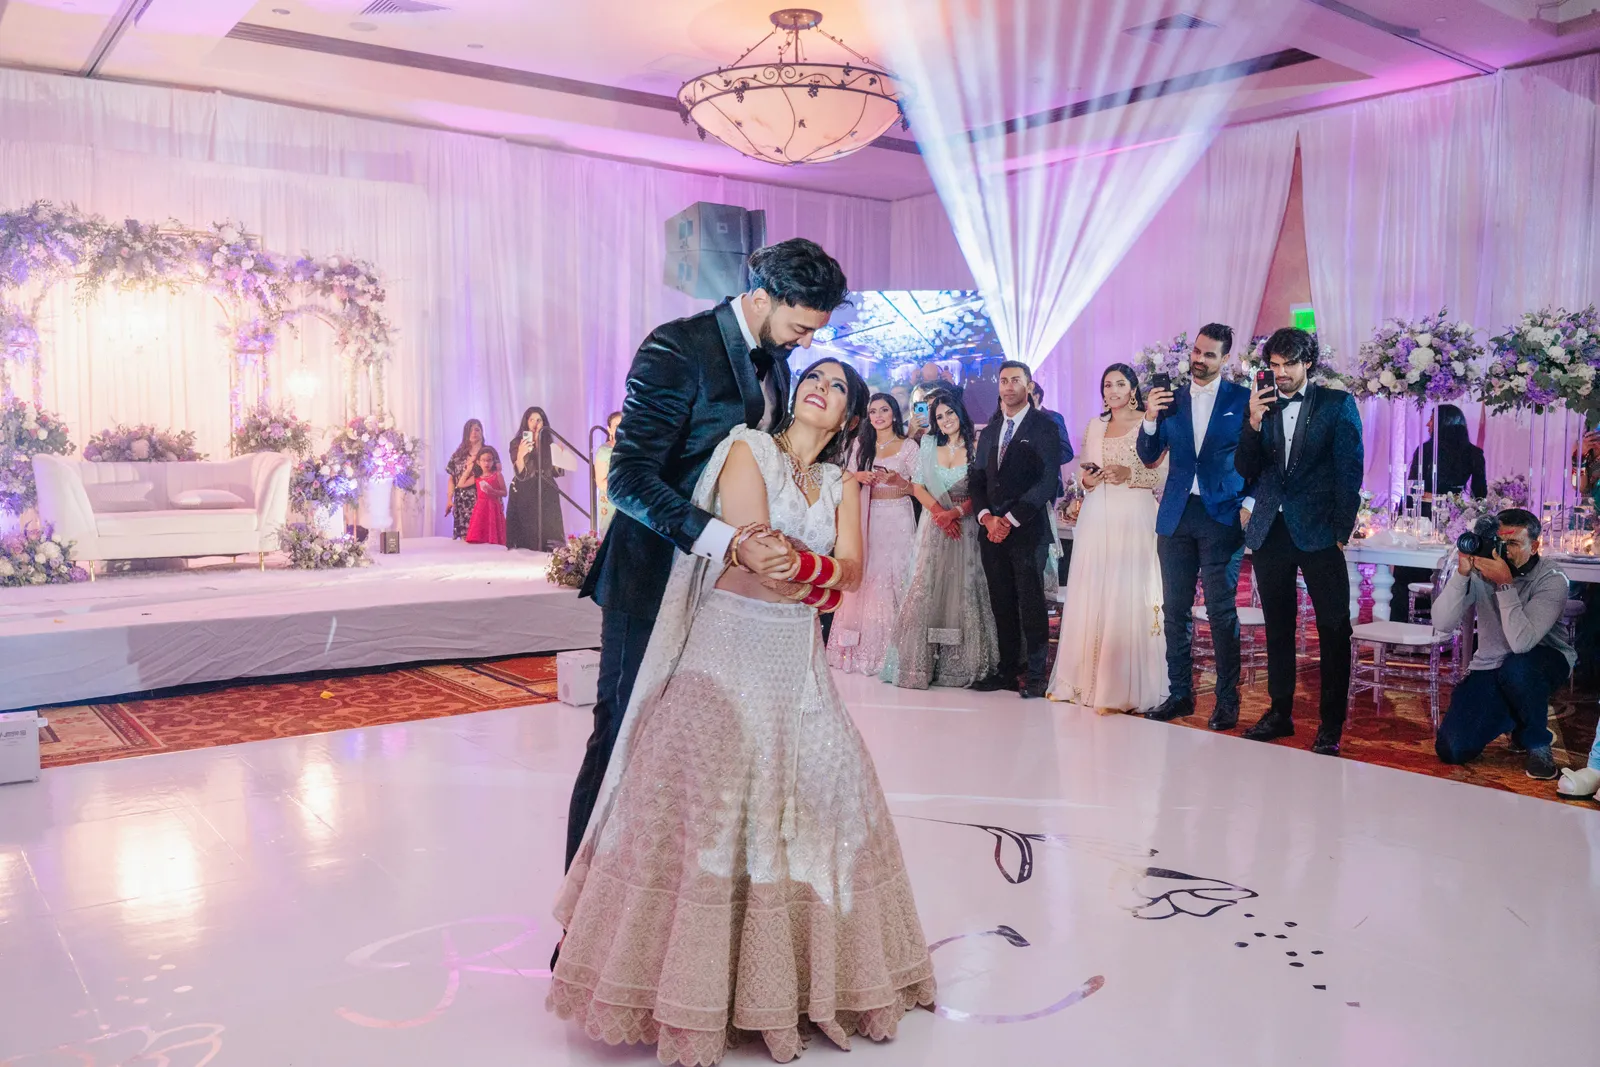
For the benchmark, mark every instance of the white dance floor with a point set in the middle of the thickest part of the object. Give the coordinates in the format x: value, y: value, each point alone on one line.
x: 436, y: 599
x: 1100, y: 891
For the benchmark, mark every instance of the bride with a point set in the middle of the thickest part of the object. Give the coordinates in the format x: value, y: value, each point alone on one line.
x: 1114, y: 657
x: 741, y: 871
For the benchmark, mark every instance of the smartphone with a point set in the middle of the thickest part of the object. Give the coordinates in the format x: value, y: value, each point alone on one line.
x: 1265, y: 380
x: 527, y: 437
x: 1092, y: 468
x: 878, y: 468
x: 1161, y: 381
x: 920, y: 408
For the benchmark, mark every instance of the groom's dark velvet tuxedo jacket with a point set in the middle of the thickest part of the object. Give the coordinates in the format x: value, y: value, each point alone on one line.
x: 691, y: 382
x: 1316, y: 480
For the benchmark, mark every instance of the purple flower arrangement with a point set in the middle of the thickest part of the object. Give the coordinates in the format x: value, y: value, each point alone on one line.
x: 1430, y: 361
x: 42, y: 242
x: 570, y: 563
x: 323, y: 482
x: 1550, y: 357
x: 1509, y: 492
x: 1255, y: 358
x: 37, y: 557
x: 141, y: 444
x: 1171, y: 359
x: 268, y: 429
x: 373, y: 446
x: 26, y: 431
x: 310, y: 551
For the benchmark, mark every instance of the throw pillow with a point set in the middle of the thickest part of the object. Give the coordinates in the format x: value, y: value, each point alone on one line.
x: 111, y: 498
x: 208, y: 498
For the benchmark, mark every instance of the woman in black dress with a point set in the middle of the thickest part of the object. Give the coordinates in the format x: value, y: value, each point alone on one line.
x: 533, y: 510
x: 463, y: 472
x: 1461, y: 468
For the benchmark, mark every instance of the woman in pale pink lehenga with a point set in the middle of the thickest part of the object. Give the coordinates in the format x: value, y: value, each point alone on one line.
x: 884, y: 462
x: 741, y: 873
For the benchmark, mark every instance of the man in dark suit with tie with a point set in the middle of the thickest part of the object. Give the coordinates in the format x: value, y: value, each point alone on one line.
x: 691, y: 382
x: 1302, y: 450
x: 1199, y: 528
x: 1013, y: 478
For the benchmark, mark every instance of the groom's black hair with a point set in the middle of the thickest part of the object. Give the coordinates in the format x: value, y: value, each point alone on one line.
x: 797, y: 272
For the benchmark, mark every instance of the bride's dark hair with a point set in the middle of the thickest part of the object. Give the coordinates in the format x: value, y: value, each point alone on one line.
x: 855, y: 409
x: 1133, y: 380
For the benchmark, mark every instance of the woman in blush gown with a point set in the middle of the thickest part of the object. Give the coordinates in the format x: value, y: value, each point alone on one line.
x: 884, y: 462
x: 945, y: 634
x: 741, y: 872
x: 1112, y: 656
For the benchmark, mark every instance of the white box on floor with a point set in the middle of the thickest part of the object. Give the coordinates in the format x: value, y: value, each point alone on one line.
x: 578, y: 677
x: 19, y: 746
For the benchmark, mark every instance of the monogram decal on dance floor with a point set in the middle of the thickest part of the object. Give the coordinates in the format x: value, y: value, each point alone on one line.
x: 1015, y: 940
x: 191, y: 1045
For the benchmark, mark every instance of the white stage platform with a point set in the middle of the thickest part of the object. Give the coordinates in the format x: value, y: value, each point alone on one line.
x: 1160, y: 895
x: 436, y: 599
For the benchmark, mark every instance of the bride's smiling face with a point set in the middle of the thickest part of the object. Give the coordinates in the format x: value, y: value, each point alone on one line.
x: 821, y: 398
x: 1116, y: 390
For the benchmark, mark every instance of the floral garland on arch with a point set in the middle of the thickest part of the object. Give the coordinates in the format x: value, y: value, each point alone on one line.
x: 141, y: 444
x: 1550, y: 357
x: 1429, y: 361
x: 261, y: 292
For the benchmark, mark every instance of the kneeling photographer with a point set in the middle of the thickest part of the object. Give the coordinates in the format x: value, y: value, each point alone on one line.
x: 1521, y: 657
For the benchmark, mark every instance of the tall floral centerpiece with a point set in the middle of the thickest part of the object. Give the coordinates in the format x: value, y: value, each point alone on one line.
x: 384, y: 460
x: 1429, y: 361
x: 141, y: 444
x: 1550, y: 357
x: 26, y: 430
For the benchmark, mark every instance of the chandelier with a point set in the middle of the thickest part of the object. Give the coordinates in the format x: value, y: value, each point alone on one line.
x: 792, y: 108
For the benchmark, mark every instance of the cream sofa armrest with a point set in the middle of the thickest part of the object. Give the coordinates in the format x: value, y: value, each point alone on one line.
x: 270, y: 486
x: 64, y: 503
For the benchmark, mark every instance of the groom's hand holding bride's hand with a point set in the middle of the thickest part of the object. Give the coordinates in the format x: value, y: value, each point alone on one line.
x: 767, y: 555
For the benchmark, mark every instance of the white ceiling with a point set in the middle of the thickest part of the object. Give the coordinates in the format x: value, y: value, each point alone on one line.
x: 598, y: 75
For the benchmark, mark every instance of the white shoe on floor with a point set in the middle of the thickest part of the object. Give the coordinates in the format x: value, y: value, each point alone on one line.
x: 1580, y: 783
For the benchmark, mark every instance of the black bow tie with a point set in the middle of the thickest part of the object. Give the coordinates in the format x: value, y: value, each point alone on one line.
x: 761, y: 359
x: 1297, y: 398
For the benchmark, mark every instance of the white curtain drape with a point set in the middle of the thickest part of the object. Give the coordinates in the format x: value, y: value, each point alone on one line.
x: 1043, y: 205
x: 517, y: 275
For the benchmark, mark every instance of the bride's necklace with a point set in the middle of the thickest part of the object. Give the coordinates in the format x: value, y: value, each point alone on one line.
x: 807, y: 478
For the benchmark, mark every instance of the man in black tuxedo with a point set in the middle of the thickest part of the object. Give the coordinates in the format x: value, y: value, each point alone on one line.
x: 691, y: 382
x: 1013, y: 478
x: 1302, y: 450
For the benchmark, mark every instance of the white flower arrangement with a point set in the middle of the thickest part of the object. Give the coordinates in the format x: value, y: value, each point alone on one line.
x: 1551, y: 356
x: 38, y: 557
x: 1431, y: 360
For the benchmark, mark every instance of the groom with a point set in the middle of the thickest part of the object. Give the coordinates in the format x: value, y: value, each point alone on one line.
x: 1199, y: 532
x: 691, y: 382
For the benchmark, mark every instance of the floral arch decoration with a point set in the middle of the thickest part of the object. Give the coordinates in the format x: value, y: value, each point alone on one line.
x: 261, y: 293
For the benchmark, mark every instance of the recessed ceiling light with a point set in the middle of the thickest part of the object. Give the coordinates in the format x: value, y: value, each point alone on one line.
x: 474, y: 46
x: 280, y: 11
x: 363, y: 27
x: 1441, y: 18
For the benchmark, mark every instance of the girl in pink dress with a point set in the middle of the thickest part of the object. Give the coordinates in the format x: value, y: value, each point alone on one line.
x: 883, y: 462
x: 488, y: 525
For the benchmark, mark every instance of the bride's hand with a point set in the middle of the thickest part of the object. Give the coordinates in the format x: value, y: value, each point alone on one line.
x: 1117, y: 474
x: 1089, y: 479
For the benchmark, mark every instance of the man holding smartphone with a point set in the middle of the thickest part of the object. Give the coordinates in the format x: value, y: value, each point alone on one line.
x: 1199, y: 533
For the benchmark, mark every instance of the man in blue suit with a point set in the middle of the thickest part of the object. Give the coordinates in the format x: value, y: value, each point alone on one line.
x: 1302, y: 450
x: 1200, y: 532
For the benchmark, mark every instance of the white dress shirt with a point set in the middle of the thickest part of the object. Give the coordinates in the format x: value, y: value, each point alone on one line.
x: 1015, y: 422
x: 1202, y: 399
x: 714, y: 540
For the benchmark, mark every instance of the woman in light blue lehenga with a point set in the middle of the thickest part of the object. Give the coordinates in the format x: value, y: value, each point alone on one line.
x: 945, y: 632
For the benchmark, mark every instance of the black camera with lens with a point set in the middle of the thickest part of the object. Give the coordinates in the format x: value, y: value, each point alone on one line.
x: 1483, y: 540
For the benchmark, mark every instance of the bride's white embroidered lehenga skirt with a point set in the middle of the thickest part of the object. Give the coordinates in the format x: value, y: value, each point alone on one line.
x: 747, y: 877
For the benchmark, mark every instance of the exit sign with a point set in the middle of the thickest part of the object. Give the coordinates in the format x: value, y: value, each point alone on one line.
x: 1304, y: 317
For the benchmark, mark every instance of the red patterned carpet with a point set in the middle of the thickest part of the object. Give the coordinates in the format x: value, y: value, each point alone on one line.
x: 257, y: 711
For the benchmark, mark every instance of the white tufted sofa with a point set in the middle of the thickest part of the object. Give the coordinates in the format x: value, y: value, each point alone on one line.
x: 128, y: 510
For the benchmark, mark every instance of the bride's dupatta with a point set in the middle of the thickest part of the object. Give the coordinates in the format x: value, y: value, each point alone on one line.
x: 691, y: 579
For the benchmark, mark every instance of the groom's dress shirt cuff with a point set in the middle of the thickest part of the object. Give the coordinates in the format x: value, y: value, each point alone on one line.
x: 1012, y: 519
x: 714, y: 540
x: 1249, y: 504
x: 1149, y: 427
